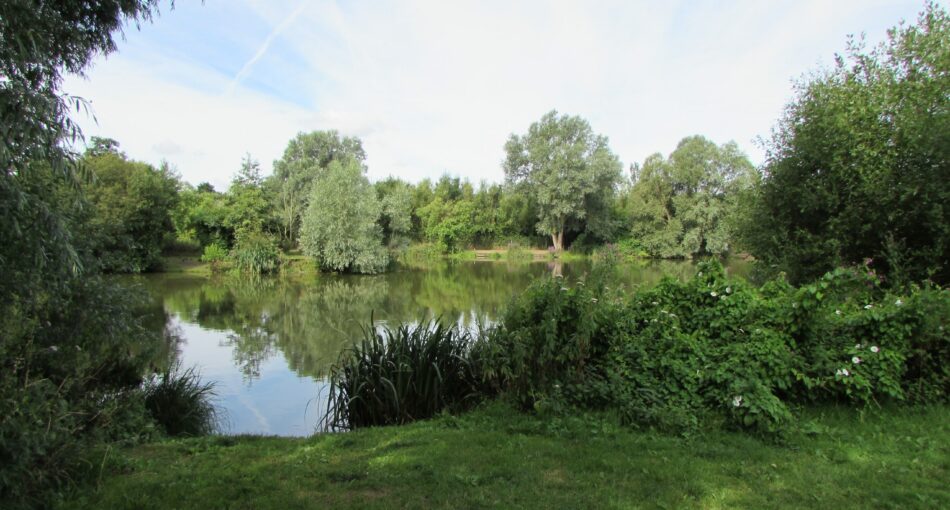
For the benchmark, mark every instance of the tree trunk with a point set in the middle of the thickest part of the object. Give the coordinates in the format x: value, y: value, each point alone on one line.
x: 558, y: 239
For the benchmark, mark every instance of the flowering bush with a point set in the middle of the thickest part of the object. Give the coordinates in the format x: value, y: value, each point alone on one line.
x: 718, y: 350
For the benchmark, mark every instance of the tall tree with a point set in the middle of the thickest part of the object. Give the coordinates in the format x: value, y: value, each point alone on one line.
x: 340, y: 228
x: 130, y: 212
x: 304, y: 159
x: 859, y: 167
x: 566, y: 168
x: 682, y: 206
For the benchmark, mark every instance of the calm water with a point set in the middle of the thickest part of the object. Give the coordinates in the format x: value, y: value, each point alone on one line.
x: 267, y: 343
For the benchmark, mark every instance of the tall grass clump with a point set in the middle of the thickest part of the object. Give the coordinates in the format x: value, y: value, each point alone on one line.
x: 398, y: 374
x: 181, y: 403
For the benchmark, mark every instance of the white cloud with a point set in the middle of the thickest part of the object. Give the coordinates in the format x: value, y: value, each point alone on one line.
x: 438, y: 86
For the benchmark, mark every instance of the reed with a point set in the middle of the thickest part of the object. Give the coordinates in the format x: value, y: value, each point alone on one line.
x: 398, y: 374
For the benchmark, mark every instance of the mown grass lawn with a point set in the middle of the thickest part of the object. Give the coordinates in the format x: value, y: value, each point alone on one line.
x: 497, y: 458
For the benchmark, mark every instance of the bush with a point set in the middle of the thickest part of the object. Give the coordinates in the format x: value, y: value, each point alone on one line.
x: 69, y: 369
x: 397, y: 374
x: 548, y: 338
x: 181, y: 403
x: 421, y: 254
x: 214, y: 254
x: 256, y: 252
x: 716, y: 350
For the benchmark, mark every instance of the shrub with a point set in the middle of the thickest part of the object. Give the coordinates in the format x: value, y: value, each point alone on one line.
x: 421, y: 254
x: 547, y: 339
x: 70, y: 367
x: 181, y: 403
x: 716, y: 350
x: 256, y: 252
x: 214, y: 254
x: 397, y: 374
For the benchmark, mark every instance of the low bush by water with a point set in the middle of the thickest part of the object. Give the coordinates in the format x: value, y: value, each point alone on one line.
x: 712, y: 351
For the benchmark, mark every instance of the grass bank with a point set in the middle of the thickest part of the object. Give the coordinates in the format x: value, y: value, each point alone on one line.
x: 497, y: 458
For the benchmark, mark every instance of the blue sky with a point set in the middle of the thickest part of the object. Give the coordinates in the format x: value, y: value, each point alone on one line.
x: 436, y: 87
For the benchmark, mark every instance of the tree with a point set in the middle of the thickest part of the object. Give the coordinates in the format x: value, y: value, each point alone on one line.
x: 306, y: 157
x: 682, y: 206
x: 46, y: 306
x: 859, y: 166
x: 566, y: 168
x: 340, y: 227
x: 130, y: 212
x: 395, y: 197
x: 248, y: 204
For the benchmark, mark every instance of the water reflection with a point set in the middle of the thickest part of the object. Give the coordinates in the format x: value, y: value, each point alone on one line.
x: 268, y: 342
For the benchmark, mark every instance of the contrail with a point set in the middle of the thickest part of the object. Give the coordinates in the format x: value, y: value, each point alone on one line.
x: 246, y: 69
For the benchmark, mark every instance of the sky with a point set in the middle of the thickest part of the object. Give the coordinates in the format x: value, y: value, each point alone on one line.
x: 435, y: 87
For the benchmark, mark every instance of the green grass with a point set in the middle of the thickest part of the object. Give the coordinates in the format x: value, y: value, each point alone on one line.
x: 496, y: 458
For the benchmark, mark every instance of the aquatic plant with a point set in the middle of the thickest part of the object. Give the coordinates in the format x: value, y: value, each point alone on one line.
x: 398, y: 374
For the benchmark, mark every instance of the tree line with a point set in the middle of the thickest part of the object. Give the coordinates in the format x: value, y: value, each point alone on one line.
x: 563, y: 188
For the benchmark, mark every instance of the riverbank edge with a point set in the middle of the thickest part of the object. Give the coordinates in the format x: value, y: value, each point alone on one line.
x: 498, y: 457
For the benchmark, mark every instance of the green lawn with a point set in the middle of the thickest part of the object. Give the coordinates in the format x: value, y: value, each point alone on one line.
x: 496, y: 458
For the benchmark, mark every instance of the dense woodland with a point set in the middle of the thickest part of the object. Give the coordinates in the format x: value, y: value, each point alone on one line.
x: 857, y: 174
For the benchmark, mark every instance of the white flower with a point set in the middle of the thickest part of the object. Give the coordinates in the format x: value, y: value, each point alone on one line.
x: 874, y: 348
x: 53, y: 348
x: 857, y: 346
x: 728, y: 290
x: 898, y: 302
x: 737, y: 401
x: 563, y: 288
x: 593, y: 300
x: 713, y: 293
x: 837, y: 312
x: 856, y: 360
x: 655, y: 303
x: 843, y: 372
x: 867, y: 307
x: 699, y: 274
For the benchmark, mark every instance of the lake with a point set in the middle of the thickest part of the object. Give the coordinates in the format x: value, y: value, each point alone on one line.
x: 267, y: 343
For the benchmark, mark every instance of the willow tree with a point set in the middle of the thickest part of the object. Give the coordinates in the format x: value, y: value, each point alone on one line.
x: 683, y: 205
x: 340, y: 228
x: 306, y: 157
x: 566, y: 168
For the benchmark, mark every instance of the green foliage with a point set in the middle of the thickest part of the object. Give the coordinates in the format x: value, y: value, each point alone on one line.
x: 395, y: 198
x: 421, y: 254
x: 71, y: 348
x: 858, y: 166
x: 549, y: 338
x: 400, y: 374
x: 305, y: 159
x: 181, y: 403
x: 256, y: 252
x: 682, y: 206
x: 129, y: 215
x: 214, y: 254
x: 69, y: 368
x: 716, y: 350
x: 566, y: 169
x: 340, y: 228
